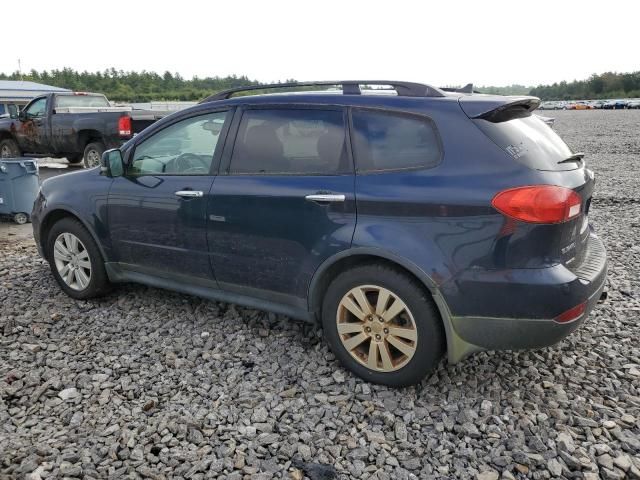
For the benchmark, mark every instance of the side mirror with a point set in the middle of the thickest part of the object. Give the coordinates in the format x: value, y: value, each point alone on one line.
x: 22, y: 116
x: 111, y: 163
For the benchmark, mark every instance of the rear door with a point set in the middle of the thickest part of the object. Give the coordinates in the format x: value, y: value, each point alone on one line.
x: 157, y: 210
x: 284, y: 203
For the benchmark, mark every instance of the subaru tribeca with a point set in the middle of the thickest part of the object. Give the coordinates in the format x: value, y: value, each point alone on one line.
x: 409, y: 220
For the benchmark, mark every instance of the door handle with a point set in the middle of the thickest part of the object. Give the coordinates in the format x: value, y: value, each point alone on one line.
x: 189, y: 193
x: 325, y: 197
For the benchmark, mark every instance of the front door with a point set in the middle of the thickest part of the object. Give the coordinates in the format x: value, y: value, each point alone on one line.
x: 32, y: 132
x: 157, y: 210
x: 285, y: 202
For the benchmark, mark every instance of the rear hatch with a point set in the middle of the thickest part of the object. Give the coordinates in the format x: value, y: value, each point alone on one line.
x: 511, y: 124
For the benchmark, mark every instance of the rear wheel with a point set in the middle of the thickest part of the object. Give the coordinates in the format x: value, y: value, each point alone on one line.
x: 93, y: 153
x: 9, y: 149
x: 382, y: 325
x: 75, y: 260
x: 21, y: 218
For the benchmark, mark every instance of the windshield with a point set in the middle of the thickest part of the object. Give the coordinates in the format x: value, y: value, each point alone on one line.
x: 64, y: 101
x: 531, y: 142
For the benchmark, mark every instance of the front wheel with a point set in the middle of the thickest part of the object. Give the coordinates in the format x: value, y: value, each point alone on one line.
x: 382, y: 325
x: 9, y: 148
x: 93, y: 153
x: 75, y: 260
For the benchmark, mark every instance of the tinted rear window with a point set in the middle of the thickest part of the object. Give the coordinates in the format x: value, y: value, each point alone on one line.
x: 394, y: 141
x: 529, y: 141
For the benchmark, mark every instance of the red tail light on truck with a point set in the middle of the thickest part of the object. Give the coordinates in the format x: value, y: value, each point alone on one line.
x: 124, y: 126
x: 538, y: 203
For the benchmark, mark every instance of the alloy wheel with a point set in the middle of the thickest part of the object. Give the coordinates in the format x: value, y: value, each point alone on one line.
x: 93, y: 158
x: 72, y: 261
x: 377, y: 328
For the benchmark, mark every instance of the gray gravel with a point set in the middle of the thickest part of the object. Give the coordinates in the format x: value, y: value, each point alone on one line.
x: 150, y: 384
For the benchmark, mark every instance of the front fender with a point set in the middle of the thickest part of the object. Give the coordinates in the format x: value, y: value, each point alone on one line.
x: 84, y: 195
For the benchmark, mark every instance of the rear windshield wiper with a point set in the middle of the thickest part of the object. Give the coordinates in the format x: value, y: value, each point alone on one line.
x: 576, y: 157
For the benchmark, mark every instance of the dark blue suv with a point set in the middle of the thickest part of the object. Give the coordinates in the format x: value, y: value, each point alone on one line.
x: 411, y: 221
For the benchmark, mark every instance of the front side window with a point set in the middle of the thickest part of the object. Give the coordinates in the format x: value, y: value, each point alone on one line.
x: 184, y: 148
x: 393, y: 141
x: 291, y: 142
x: 37, y: 108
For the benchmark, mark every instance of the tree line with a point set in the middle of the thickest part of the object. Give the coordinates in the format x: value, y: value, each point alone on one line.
x: 142, y: 86
x: 146, y: 86
x: 605, y: 85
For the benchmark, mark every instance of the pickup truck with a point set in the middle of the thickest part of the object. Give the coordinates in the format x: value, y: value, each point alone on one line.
x: 76, y: 125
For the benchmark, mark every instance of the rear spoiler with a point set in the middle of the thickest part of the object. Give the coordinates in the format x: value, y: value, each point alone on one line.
x: 497, y: 109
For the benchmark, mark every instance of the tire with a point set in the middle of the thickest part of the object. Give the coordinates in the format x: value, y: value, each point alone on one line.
x: 75, y: 159
x: 9, y: 149
x: 21, y: 218
x: 98, y: 282
x: 92, y: 154
x: 425, y: 346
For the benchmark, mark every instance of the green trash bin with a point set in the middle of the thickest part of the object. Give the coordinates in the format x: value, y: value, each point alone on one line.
x: 19, y: 184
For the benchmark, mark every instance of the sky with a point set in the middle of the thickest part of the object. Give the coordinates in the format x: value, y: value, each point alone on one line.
x: 488, y: 42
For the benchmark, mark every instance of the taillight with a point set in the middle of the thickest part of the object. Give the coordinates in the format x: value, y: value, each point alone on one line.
x: 538, y: 203
x: 124, y: 126
x: 572, y: 314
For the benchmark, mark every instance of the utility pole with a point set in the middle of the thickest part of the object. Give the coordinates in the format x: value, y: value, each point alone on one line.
x: 20, y: 70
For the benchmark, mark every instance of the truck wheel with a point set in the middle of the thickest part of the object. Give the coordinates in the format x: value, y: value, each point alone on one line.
x: 92, y: 154
x: 9, y: 149
x: 21, y: 218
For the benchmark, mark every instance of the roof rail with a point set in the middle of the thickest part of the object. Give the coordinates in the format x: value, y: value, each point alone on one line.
x: 349, y: 87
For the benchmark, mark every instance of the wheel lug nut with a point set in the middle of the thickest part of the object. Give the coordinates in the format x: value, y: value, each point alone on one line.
x: 386, y: 330
x: 377, y: 337
x: 368, y: 329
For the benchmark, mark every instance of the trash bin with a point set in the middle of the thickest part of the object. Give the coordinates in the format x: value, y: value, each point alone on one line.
x: 19, y: 184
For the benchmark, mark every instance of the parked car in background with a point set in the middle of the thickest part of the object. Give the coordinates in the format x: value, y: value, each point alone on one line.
x: 614, y: 105
x: 597, y: 104
x: 78, y: 126
x: 633, y: 104
x: 582, y: 106
x: 8, y: 110
x: 549, y: 106
x: 363, y: 212
x: 569, y: 106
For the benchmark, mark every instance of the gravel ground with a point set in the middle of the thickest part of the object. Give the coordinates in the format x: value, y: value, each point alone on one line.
x: 150, y: 384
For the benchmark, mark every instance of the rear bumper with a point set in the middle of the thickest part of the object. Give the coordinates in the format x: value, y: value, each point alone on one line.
x: 544, y: 293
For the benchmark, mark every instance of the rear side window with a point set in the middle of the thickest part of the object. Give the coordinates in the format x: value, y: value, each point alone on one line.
x: 394, y: 141
x: 529, y: 141
x: 291, y: 142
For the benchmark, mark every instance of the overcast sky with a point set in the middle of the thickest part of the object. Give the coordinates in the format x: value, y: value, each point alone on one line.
x: 440, y: 42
